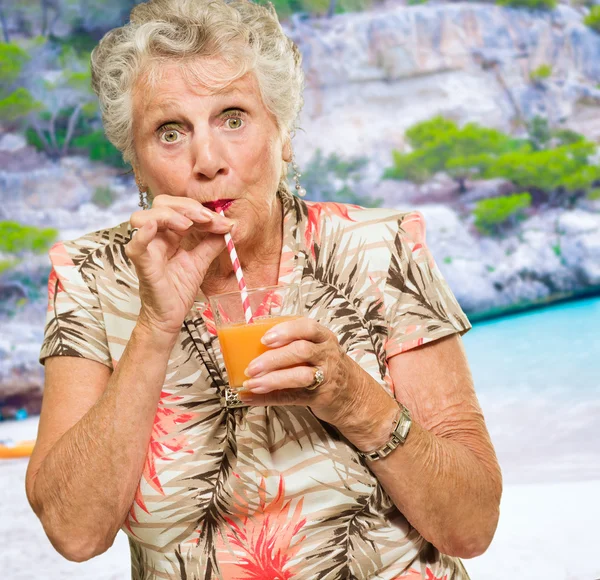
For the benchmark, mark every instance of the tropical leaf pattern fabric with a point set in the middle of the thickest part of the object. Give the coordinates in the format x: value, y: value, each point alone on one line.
x: 257, y: 493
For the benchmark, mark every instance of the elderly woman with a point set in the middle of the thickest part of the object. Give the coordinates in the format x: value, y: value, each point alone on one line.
x: 358, y: 449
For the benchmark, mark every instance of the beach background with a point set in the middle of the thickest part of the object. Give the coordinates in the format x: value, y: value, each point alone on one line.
x: 483, y: 116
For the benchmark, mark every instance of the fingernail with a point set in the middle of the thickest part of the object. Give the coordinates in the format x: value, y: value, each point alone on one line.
x: 269, y: 338
x: 202, y: 213
x: 185, y: 222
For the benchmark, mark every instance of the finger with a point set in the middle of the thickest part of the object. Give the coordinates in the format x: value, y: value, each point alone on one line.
x: 279, y: 398
x: 138, y: 244
x: 165, y: 219
x: 191, y: 208
x: 204, y: 253
x: 298, y: 377
x: 299, y: 329
x: 296, y: 353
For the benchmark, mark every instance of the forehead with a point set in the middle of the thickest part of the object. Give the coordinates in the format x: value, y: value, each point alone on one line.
x: 166, y: 83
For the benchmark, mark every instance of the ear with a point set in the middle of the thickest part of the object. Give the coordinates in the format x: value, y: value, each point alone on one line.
x: 286, y: 152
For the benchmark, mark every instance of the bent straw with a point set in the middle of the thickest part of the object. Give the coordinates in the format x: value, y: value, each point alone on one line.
x: 237, y: 268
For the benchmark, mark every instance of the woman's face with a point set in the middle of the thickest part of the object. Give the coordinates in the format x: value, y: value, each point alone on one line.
x: 194, y: 142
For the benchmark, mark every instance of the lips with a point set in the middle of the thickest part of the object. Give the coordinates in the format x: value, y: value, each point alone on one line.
x: 218, y: 204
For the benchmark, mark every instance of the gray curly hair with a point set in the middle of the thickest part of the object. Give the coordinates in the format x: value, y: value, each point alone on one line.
x: 247, y: 36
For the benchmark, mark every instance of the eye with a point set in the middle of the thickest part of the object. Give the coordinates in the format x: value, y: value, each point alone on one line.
x: 234, y: 118
x: 170, y: 135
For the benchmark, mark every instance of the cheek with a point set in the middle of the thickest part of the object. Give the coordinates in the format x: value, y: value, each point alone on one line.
x: 265, y: 160
x: 166, y: 177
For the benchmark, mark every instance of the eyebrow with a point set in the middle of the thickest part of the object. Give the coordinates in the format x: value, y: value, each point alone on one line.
x: 172, y: 103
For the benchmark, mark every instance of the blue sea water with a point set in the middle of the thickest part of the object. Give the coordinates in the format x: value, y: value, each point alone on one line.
x: 554, y: 349
x: 537, y: 378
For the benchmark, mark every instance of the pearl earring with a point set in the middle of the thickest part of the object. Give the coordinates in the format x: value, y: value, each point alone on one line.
x: 299, y: 189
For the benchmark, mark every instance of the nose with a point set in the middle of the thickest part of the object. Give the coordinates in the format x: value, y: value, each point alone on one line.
x: 208, y: 158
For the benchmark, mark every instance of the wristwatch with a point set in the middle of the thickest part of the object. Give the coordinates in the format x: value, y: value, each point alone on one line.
x: 398, y: 436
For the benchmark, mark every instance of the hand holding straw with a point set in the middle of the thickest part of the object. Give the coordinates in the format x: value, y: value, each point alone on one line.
x: 237, y: 268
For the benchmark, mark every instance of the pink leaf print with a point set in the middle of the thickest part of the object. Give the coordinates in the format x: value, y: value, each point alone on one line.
x: 166, y: 421
x: 59, y: 255
x: 271, y: 299
x: 432, y: 576
x: 315, y: 210
x: 209, y: 320
x: 410, y: 574
x: 53, y: 287
x: 265, y: 540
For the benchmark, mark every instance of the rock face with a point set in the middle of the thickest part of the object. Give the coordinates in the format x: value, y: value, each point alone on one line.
x: 552, y: 255
x: 369, y: 76
x: 34, y: 191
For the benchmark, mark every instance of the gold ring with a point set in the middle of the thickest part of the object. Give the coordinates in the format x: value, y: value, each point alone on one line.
x: 318, y: 380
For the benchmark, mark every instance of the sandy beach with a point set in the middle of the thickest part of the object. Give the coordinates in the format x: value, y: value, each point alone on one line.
x: 547, y: 531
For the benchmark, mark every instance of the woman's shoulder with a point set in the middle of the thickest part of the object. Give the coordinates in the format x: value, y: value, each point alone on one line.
x: 366, y: 221
x: 83, y: 254
x: 353, y: 214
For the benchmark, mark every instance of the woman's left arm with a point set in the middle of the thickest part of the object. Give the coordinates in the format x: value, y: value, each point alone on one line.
x: 445, y: 479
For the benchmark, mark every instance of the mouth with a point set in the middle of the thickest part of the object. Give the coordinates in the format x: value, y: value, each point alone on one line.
x: 218, y: 204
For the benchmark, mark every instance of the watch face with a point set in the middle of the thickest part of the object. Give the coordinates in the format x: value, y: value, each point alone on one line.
x: 403, y: 425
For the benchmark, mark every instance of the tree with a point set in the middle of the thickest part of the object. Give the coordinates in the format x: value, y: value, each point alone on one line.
x: 593, y: 18
x: 560, y: 175
x: 334, y: 179
x: 554, y: 165
x: 440, y: 145
x: 4, y: 23
x: 492, y: 215
x: 16, y: 102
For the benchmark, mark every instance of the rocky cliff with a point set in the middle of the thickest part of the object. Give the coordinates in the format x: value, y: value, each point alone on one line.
x: 369, y: 77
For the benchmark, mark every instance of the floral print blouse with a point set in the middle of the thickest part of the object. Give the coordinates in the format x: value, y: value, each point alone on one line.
x: 266, y: 493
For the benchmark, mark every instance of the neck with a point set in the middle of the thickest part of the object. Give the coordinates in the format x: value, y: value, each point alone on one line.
x: 259, y: 257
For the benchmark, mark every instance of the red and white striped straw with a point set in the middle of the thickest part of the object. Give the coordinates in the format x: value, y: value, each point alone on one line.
x: 237, y: 268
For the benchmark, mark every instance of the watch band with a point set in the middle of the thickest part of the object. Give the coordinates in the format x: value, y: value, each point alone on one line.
x: 397, y: 437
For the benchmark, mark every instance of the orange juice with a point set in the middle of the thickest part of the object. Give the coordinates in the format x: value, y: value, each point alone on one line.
x: 240, y: 345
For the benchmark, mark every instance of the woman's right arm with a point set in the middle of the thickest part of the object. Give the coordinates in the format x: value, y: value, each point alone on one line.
x: 95, y: 428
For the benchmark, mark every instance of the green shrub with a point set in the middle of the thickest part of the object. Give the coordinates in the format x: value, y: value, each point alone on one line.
x: 12, y: 59
x: 531, y: 4
x: 18, y: 104
x: 17, y: 238
x: 553, y: 164
x: 103, y: 197
x: 593, y: 18
x: 541, y: 73
x: 567, y: 136
x: 80, y: 41
x: 7, y: 265
x: 334, y: 179
x: 440, y: 145
x: 594, y: 194
x: 565, y: 167
x: 492, y: 214
x: 99, y: 148
x: 285, y: 8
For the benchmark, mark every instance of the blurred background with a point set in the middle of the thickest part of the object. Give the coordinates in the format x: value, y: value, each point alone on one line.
x: 483, y: 116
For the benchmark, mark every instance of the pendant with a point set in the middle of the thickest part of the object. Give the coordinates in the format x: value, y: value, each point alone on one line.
x: 231, y: 400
